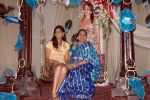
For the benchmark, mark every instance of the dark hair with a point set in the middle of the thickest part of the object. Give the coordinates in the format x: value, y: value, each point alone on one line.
x: 80, y: 31
x: 91, y: 9
x: 74, y: 38
x: 54, y: 39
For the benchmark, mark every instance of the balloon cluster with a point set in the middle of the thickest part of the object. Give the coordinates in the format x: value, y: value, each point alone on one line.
x: 127, y: 20
x: 137, y: 87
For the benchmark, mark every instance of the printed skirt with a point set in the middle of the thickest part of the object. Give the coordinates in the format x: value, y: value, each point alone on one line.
x: 49, y: 69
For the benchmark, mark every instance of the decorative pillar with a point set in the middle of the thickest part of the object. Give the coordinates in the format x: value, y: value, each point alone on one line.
x: 25, y: 79
x: 127, y: 44
x: 127, y: 61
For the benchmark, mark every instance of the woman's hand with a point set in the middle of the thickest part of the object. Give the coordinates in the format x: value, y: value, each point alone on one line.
x: 71, y: 66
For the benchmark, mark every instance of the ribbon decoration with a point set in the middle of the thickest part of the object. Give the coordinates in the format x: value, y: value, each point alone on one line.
x: 19, y: 43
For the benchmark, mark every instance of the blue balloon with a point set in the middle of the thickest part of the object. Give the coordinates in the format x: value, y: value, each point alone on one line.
x: 137, y: 87
x: 127, y: 20
x: 7, y: 96
x: 32, y: 3
x: 116, y: 1
x: 75, y: 2
x: 19, y: 43
x: 11, y: 19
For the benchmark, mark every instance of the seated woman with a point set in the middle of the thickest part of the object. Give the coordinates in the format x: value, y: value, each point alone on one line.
x: 56, y: 51
x: 78, y: 84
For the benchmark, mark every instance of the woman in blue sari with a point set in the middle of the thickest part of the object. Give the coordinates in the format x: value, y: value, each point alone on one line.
x: 78, y: 83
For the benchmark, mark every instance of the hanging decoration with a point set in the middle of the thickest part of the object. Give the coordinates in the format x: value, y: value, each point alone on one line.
x: 19, y: 43
x: 146, y: 2
x: 116, y: 1
x: 148, y: 24
x: 19, y: 5
x: 42, y: 33
x: 127, y: 20
x: 147, y: 20
x: 32, y: 3
x: 7, y: 73
x: 11, y: 19
x: 75, y: 2
x: 138, y: 2
x: 137, y: 87
x: 68, y: 25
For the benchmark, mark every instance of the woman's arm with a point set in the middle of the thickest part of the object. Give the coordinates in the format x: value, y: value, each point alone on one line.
x: 67, y: 57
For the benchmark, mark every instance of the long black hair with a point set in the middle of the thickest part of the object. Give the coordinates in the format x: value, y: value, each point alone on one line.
x: 91, y: 9
x: 54, y: 39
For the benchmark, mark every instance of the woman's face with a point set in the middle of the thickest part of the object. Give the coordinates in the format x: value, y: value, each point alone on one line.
x: 87, y: 10
x: 82, y: 37
x: 59, y: 34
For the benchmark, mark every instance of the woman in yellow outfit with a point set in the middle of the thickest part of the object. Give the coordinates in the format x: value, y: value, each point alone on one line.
x: 56, y: 55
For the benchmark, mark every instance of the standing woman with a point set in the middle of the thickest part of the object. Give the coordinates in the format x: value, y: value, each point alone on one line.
x: 91, y: 25
x: 56, y: 51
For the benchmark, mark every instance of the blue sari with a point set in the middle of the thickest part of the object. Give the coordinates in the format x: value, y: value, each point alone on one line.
x: 78, y: 83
